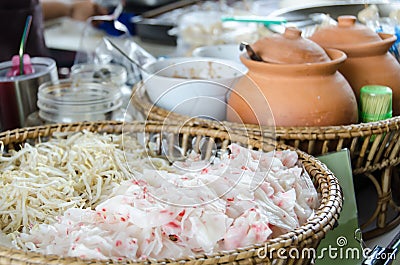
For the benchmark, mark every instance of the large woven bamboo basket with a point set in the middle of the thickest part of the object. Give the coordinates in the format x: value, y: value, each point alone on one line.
x: 306, y: 236
x: 374, y: 149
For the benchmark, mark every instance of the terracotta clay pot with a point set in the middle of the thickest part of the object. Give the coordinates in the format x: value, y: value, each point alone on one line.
x: 297, y: 94
x: 368, y: 60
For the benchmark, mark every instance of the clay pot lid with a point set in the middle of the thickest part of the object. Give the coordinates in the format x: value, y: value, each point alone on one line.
x: 346, y: 33
x: 289, y: 48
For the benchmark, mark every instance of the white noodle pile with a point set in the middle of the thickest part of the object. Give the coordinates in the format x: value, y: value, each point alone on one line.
x: 38, y: 183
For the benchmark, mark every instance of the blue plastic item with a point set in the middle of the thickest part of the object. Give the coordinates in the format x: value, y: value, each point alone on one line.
x: 124, y: 18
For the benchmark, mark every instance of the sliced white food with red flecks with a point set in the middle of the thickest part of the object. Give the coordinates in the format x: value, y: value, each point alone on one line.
x: 240, y: 199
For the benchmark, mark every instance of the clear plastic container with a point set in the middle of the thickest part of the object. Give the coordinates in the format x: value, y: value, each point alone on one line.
x: 84, y: 100
x: 204, y: 28
x: 375, y: 103
x: 113, y: 73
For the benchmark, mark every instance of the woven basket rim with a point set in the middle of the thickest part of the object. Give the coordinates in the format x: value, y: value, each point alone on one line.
x: 324, y: 219
x: 140, y: 100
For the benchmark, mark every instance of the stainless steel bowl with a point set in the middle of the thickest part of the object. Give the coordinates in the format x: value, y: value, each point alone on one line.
x: 301, y: 16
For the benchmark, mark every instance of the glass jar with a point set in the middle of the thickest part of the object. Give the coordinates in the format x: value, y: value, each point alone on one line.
x: 71, y: 100
x: 113, y: 73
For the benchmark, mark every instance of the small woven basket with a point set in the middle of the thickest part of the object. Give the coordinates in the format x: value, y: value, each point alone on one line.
x: 305, y: 237
x: 374, y: 149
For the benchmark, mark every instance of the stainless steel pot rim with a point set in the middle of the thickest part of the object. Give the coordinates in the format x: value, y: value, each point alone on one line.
x: 48, y: 64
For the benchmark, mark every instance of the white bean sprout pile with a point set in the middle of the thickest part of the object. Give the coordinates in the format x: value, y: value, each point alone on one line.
x: 38, y: 183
